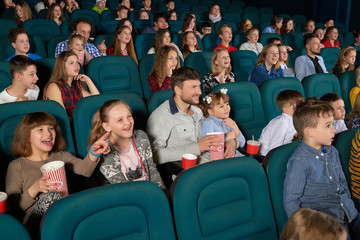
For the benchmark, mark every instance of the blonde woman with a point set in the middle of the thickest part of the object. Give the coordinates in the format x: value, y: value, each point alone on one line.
x: 22, y: 13
x: 345, y: 61
x: 220, y: 70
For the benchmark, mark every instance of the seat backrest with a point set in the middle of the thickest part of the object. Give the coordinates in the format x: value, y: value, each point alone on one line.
x: 210, y: 41
x: 6, y: 25
x: 88, y: 13
x: 264, y: 37
x: 12, y: 113
x: 317, y: 85
x: 175, y: 26
x: 145, y: 67
x: 330, y: 55
x: 246, y: 107
x: 227, y: 199
x: 242, y: 63
x: 107, y: 26
x: 108, y: 15
x: 53, y: 42
x: 294, y: 40
x: 5, y: 77
x: 276, y: 171
x: 141, y: 24
x: 135, y: 210
x: 10, y: 228
x: 158, y: 98
x: 232, y: 24
x: 253, y: 17
x: 142, y: 44
x: 43, y: 28
x: 109, y: 38
x: 348, y: 38
x: 112, y: 74
x: 204, y: 58
x: 347, y: 82
x: 269, y: 91
x: 45, y: 68
x: 87, y: 107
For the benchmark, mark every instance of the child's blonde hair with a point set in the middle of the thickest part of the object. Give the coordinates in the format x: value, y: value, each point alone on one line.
x: 262, y: 55
x: 212, y: 99
x: 341, y: 59
x: 288, y: 97
x: 214, y: 67
x: 73, y: 37
x: 308, y: 224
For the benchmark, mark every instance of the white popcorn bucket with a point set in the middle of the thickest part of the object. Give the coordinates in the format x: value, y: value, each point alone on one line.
x: 55, y: 170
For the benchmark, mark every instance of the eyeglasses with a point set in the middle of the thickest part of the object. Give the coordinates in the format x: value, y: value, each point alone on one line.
x: 290, y: 23
x: 134, y: 174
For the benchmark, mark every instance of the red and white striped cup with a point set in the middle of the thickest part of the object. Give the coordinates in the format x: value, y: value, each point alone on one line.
x: 3, y: 198
x: 55, y: 170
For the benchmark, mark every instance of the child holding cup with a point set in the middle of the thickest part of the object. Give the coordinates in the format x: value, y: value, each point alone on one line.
x: 216, y: 108
x: 37, y: 141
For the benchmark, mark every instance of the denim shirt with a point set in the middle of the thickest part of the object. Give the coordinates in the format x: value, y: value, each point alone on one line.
x: 259, y: 74
x: 315, y: 179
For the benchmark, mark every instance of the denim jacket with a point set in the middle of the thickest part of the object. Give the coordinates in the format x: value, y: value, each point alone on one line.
x: 315, y: 179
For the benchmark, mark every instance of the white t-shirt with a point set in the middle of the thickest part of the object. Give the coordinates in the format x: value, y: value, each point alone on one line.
x: 31, y: 94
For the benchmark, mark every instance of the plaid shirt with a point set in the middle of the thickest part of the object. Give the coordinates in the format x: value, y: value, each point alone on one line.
x: 154, y: 86
x: 70, y: 96
x: 89, y: 47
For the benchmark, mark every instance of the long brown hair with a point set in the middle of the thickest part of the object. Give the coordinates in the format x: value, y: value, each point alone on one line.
x: 185, y: 47
x: 158, y: 40
x: 129, y: 46
x: 284, y: 26
x: 186, y: 23
x: 262, y: 55
x: 327, y: 33
x: 102, y: 116
x: 21, y: 146
x: 214, y: 67
x: 275, y: 19
x: 159, y: 68
x: 50, y: 13
x: 341, y: 59
x: 26, y: 11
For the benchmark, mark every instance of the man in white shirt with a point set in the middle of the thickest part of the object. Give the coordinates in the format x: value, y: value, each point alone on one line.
x: 280, y: 130
x: 23, y: 73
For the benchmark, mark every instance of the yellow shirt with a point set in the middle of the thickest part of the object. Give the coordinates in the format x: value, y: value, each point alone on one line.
x: 353, y: 94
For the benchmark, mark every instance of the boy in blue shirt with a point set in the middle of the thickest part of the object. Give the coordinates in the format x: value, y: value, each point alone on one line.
x: 314, y: 177
x: 19, y: 40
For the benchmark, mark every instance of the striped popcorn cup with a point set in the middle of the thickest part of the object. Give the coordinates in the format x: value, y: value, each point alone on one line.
x: 55, y: 170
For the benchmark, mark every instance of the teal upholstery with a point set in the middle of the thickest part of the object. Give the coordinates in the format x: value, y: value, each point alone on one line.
x: 299, y: 18
x: 6, y: 25
x: 107, y: 26
x: 11, y: 228
x: 271, y: 88
x: 113, y: 74
x: 266, y: 36
x: 135, y: 210
x: 348, y: 38
x: 294, y: 40
x: 42, y: 14
x: 45, y: 68
x: 347, y: 82
x: 86, y: 108
x: 246, y: 107
x: 8, y: 14
x: 141, y: 24
x: 238, y: 39
x: 109, y: 38
x: 265, y: 10
x: 53, y: 42
x: 233, y: 17
x: 5, y: 77
x: 250, y: 9
x: 108, y: 15
x: 65, y: 28
x: 317, y: 85
x: 266, y: 18
x: 253, y: 17
x: 210, y: 41
x: 158, y: 98
x: 330, y: 55
x: 227, y: 199
x: 43, y: 28
x: 242, y: 63
x: 175, y: 26
x: 142, y: 44
x: 145, y: 67
x: 88, y: 13
x: 232, y: 24
x: 276, y: 171
x: 204, y: 58
x: 235, y: 9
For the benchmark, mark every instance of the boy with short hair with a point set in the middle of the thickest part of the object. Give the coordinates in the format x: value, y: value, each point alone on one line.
x: 225, y: 34
x: 170, y: 5
x: 314, y: 177
x: 280, y: 130
x: 337, y: 103
x: 205, y: 28
x: 24, y: 78
x: 19, y: 40
x: 122, y: 12
x: 100, y: 6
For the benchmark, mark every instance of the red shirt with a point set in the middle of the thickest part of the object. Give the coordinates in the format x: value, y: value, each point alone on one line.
x: 327, y: 44
x: 230, y: 48
x: 154, y: 86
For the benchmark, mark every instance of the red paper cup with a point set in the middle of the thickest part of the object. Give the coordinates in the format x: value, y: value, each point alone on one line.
x: 3, y: 198
x: 55, y: 170
x: 252, y: 147
x: 188, y: 160
x: 220, y: 148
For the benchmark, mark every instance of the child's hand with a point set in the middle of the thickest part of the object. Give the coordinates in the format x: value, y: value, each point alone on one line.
x: 232, y: 124
x: 230, y: 135
x: 101, y: 146
x: 40, y: 185
x: 230, y: 148
x: 206, y: 143
x: 82, y: 77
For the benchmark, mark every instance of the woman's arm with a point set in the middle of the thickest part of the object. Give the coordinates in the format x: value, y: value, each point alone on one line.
x: 89, y: 83
x: 53, y: 93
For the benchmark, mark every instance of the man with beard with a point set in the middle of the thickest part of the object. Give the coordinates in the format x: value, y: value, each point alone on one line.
x: 174, y: 127
x: 311, y: 63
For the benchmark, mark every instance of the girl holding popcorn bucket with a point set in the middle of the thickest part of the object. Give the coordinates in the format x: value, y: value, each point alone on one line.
x: 38, y: 141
